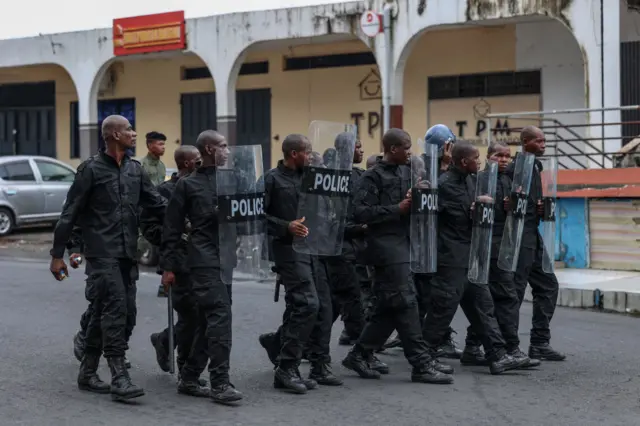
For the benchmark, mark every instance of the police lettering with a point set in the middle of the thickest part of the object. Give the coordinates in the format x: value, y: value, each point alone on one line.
x: 487, y: 215
x: 332, y: 183
x: 247, y: 207
x: 521, y: 207
x: 428, y: 202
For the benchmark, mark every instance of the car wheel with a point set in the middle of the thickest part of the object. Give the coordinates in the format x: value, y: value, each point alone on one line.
x: 149, y: 256
x: 7, y: 222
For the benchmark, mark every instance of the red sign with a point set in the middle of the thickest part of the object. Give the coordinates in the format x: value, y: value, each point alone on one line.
x: 149, y: 33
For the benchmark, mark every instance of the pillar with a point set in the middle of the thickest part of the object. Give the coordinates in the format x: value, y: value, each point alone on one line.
x: 227, y: 126
x: 89, y: 139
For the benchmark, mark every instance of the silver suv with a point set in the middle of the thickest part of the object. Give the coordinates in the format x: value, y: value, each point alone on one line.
x: 32, y: 190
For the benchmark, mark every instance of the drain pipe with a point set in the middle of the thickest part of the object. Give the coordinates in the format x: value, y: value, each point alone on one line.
x: 602, y: 79
x: 388, y: 62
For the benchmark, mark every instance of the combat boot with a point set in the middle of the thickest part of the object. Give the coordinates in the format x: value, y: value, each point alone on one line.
x: 268, y: 342
x: 377, y: 365
x: 545, y: 352
x: 162, y: 353
x: 88, y: 378
x: 473, y: 355
x: 321, y: 373
x: 78, y: 346
x: 428, y: 374
x: 121, y: 387
x: 225, y: 393
x: 288, y: 379
x: 355, y: 361
x: 506, y: 363
x: 519, y: 355
x: 448, y: 348
x: 310, y: 384
x: 193, y: 388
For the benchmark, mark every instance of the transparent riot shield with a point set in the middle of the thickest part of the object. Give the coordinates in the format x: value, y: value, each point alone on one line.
x: 423, y: 253
x: 548, y: 177
x: 326, y: 188
x: 241, y: 219
x: 514, y: 225
x: 483, y: 213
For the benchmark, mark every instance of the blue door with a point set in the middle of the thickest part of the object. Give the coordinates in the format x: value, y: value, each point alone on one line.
x: 123, y: 107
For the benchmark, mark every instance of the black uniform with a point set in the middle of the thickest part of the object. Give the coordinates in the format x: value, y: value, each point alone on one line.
x: 195, y: 198
x: 308, y: 316
x: 544, y: 286
x: 104, y: 200
x: 450, y: 286
x: 343, y: 275
x: 184, y: 302
x: 379, y: 192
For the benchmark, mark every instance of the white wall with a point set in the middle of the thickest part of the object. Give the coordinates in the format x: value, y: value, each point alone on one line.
x: 629, y: 23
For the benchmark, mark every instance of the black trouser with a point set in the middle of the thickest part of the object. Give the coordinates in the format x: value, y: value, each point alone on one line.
x: 450, y: 288
x: 345, y: 293
x: 506, y: 303
x: 212, y: 341
x: 366, y: 292
x: 308, y: 317
x: 395, y: 307
x: 111, y: 292
x: 544, y: 288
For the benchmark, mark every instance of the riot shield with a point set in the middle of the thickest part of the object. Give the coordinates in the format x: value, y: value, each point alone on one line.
x: 483, y: 211
x: 326, y: 189
x: 548, y: 177
x: 514, y: 225
x: 241, y: 219
x: 423, y: 252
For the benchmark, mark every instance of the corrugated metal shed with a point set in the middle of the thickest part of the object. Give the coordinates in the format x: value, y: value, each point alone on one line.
x: 614, y: 227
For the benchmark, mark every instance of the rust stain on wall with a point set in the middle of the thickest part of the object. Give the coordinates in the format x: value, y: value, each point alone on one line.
x: 479, y: 10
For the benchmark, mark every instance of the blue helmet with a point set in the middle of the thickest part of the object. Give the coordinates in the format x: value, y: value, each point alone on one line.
x: 438, y: 135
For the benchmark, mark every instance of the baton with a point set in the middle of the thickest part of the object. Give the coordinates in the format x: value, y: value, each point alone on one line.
x: 172, y: 354
x: 276, y: 293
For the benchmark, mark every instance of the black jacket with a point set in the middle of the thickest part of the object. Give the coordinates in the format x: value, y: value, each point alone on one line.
x: 282, y: 192
x: 103, y: 201
x: 456, y: 193
x: 195, y: 198
x: 379, y: 191
x: 531, y: 236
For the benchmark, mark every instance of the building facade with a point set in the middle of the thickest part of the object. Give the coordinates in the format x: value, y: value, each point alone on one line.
x: 258, y: 76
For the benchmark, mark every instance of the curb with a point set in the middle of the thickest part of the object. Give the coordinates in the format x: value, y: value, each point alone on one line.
x: 612, y: 301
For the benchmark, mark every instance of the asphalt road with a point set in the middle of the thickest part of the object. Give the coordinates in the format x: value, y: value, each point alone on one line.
x: 599, y: 384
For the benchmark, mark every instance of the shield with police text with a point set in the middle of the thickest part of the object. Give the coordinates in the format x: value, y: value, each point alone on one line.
x: 483, y: 211
x: 326, y: 188
x: 423, y: 252
x: 514, y: 225
x: 241, y: 219
x: 548, y: 177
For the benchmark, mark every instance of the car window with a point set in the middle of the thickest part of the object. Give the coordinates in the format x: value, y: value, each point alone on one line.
x: 52, y: 172
x: 19, y: 171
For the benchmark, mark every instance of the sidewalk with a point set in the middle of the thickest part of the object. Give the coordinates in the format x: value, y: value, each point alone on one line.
x: 617, y: 291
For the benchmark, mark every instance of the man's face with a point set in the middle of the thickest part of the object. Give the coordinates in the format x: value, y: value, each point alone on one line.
x: 125, y: 136
x: 221, y: 152
x: 401, y: 154
x: 156, y: 147
x: 502, y: 156
x: 471, y: 163
x: 536, y: 145
x: 302, y: 157
x: 358, y: 153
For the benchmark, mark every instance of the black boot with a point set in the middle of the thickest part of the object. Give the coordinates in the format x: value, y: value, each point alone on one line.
x: 162, y: 353
x: 377, y: 365
x: 268, y: 342
x: 473, y: 355
x: 225, y: 394
x: 519, y: 355
x: 78, y: 346
x: 321, y: 373
x: 545, y: 352
x: 448, y: 348
x: 193, y: 388
x: 88, y: 378
x: 506, y: 363
x: 288, y: 379
x: 121, y: 387
x: 355, y: 361
x: 428, y: 374
x: 345, y: 339
x: 309, y: 383
x: 443, y: 368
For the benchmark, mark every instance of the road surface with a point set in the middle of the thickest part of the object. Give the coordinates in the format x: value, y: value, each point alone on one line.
x: 599, y: 384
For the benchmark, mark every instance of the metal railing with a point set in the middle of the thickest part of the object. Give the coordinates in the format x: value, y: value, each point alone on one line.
x: 573, y: 144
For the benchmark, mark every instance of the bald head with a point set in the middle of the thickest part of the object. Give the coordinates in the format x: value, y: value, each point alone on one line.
x: 185, y: 155
x: 206, y: 139
x: 113, y: 124
x: 295, y: 142
x: 394, y: 137
x: 462, y: 150
x: 529, y: 133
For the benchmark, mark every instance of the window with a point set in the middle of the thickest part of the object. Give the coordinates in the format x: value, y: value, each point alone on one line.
x: 329, y: 61
x: 18, y: 171
x: 485, y: 85
x: 52, y: 172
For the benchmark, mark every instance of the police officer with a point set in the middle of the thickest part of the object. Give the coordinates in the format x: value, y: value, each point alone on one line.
x: 544, y: 286
x: 194, y: 198
x: 307, y: 318
x: 383, y: 203
x: 187, y: 159
x: 450, y: 286
x: 104, y: 199
x: 501, y: 285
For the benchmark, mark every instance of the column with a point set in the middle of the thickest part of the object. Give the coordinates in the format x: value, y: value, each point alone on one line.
x: 227, y: 126
x: 89, y: 138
